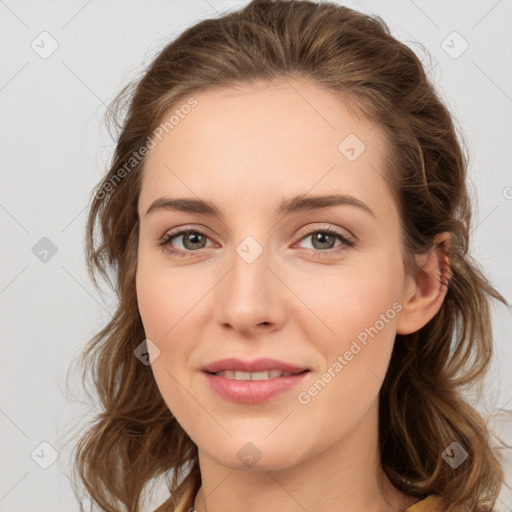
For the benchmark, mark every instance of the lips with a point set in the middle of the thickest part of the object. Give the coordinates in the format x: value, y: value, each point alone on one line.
x: 253, y: 391
x: 257, y: 365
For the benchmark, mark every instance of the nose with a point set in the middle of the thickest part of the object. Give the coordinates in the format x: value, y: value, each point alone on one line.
x: 250, y: 296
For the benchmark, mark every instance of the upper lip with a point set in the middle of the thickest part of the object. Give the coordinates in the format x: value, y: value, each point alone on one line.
x: 257, y: 365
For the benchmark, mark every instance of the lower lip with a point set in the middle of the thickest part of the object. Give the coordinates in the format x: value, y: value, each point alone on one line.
x: 253, y: 391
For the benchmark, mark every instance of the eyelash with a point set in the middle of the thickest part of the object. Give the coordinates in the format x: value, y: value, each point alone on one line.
x: 349, y: 243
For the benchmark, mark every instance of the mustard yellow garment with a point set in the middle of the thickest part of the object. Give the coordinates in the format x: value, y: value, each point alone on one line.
x: 429, y: 504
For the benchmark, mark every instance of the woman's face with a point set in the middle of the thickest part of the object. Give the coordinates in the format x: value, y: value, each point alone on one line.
x: 264, y: 279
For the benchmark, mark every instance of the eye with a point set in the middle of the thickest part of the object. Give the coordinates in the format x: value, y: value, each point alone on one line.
x: 323, y: 241
x: 193, y: 239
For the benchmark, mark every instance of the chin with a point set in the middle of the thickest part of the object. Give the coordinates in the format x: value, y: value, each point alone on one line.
x: 254, y: 453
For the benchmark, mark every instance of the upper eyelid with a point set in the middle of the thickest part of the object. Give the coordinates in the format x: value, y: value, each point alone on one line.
x: 303, y: 233
x: 305, y: 230
x: 340, y: 231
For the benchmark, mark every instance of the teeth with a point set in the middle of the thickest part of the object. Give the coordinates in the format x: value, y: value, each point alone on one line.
x: 239, y: 375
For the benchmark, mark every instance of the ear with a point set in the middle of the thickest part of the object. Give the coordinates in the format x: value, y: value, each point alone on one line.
x: 425, y: 292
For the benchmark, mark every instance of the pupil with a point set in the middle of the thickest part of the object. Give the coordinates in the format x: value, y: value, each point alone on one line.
x: 192, y: 236
x: 321, y: 238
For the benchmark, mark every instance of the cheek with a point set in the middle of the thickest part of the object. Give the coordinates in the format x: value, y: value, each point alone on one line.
x: 163, y: 297
x: 154, y: 304
x: 161, y: 310
x: 358, y: 310
x: 354, y: 298
x: 361, y: 308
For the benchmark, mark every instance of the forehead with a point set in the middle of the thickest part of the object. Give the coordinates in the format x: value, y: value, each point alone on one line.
x: 295, y: 110
x: 259, y: 138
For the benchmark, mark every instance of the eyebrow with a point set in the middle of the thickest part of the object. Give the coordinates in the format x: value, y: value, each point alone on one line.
x: 295, y: 204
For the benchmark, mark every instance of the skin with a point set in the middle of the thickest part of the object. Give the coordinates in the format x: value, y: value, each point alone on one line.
x: 246, y: 149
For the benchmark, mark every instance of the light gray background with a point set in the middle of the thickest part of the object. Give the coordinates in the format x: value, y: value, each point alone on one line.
x: 54, y: 147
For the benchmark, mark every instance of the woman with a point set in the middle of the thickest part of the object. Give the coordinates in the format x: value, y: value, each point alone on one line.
x: 287, y: 219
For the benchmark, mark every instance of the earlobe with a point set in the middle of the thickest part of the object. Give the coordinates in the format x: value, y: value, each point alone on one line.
x: 426, y: 291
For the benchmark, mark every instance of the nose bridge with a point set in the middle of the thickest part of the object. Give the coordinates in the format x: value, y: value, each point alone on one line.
x: 248, y: 294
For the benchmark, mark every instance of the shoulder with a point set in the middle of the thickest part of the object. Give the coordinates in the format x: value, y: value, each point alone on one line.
x: 431, y: 503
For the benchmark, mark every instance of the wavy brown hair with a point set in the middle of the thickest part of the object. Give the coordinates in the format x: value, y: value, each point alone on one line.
x: 135, y: 437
